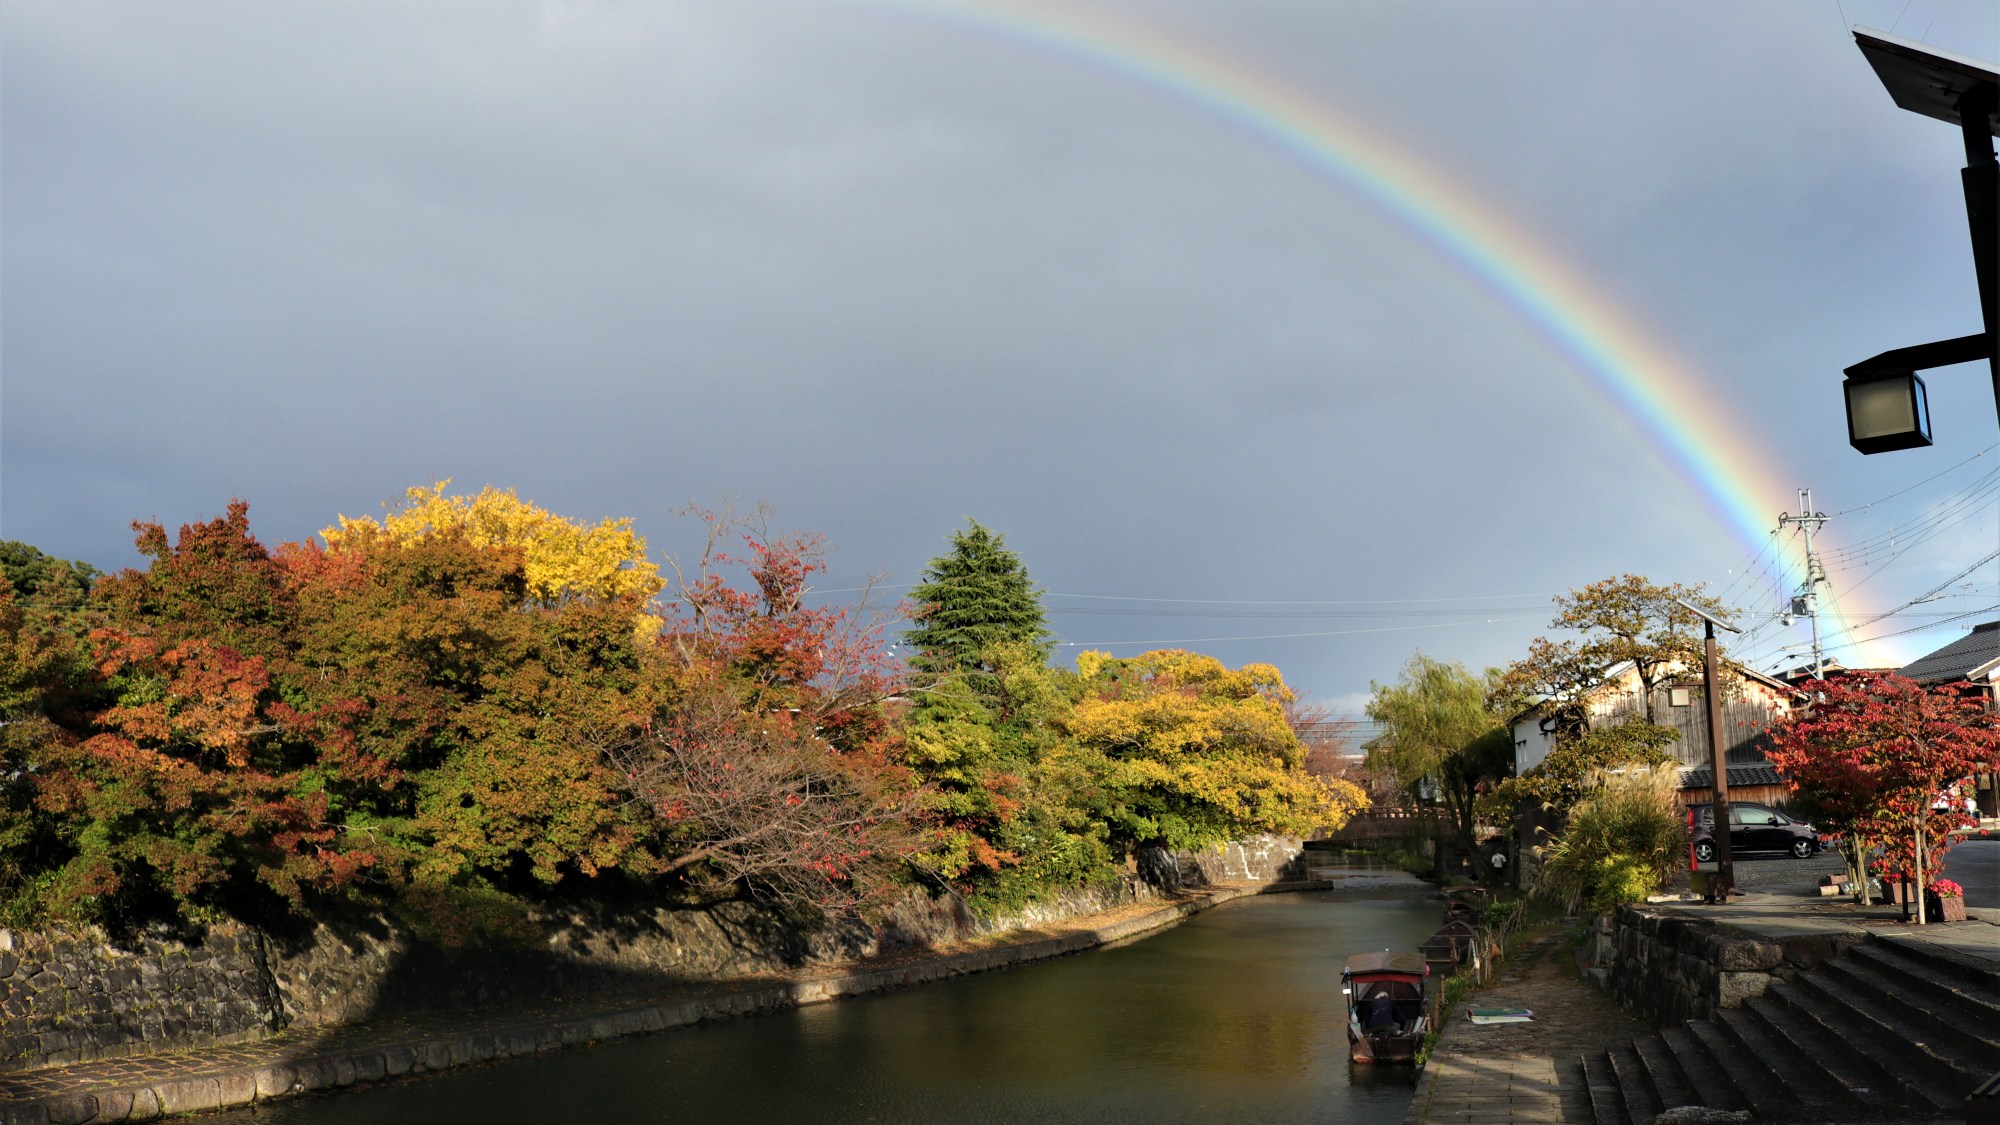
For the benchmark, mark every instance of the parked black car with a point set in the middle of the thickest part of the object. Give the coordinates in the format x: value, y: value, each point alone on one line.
x: 1754, y: 828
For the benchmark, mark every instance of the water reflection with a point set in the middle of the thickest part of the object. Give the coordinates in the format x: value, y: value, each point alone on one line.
x: 1234, y: 1016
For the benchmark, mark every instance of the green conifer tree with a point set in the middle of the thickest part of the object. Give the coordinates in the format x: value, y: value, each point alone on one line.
x: 974, y: 598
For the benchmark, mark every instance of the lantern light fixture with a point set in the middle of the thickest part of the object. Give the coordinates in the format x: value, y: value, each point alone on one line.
x: 1887, y: 412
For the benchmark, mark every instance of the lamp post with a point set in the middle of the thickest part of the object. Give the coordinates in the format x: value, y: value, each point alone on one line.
x: 1724, y: 882
x: 1885, y: 398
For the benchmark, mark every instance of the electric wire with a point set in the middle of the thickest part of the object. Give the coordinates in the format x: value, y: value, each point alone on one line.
x: 1947, y: 512
x: 1921, y: 483
x: 1289, y: 636
x: 1914, y: 629
x: 1927, y: 594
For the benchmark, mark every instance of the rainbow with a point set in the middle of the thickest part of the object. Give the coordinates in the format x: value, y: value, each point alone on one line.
x: 1656, y: 392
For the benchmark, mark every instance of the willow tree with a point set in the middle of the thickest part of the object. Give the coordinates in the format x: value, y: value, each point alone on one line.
x: 1439, y: 730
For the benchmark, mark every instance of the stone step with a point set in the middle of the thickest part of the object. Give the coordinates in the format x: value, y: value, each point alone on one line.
x: 1827, y: 1065
x: 1948, y: 1009
x: 1752, y: 1084
x: 1876, y: 1065
x: 1634, y: 1089
x: 1607, y: 1106
x: 1917, y: 1055
x: 1939, y: 960
x: 1798, y: 1078
x: 1970, y: 993
x: 1708, y: 1082
x: 1663, y: 1075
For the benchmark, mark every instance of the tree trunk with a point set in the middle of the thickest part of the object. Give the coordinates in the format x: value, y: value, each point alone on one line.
x: 1918, y: 888
x: 1464, y: 825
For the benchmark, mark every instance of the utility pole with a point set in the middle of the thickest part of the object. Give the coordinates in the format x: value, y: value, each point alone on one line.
x: 1807, y: 603
x: 1723, y: 883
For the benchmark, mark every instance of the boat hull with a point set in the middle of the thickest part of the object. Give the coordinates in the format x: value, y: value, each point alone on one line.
x: 1392, y: 1049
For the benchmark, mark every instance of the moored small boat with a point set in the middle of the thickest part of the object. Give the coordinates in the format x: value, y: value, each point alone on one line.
x: 1386, y: 1012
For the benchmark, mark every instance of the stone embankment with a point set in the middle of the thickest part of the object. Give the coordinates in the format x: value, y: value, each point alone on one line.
x: 1668, y: 964
x: 358, y: 1005
x: 68, y: 997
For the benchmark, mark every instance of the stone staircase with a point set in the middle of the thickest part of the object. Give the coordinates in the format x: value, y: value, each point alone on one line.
x: 1890, y: 1029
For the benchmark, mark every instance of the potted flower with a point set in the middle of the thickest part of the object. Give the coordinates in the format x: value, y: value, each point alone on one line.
x: 1944, y: 901
x: 1898, y: 887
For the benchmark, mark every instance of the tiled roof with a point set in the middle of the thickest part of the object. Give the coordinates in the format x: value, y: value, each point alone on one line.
x: 1699, y: 777
x: 1955, y: 660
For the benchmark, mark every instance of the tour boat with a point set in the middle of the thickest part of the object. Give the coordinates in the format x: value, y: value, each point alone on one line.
x: 1386, y: 1013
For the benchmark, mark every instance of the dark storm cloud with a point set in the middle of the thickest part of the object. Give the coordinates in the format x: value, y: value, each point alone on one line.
x: 887, y: 270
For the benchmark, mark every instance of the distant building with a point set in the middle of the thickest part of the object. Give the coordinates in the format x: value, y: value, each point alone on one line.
x: 1973, y: 658
x: 1752, y: 704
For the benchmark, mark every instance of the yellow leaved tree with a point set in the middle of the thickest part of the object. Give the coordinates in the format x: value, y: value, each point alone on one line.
x: 1192, y: 753
x: 562, y: 558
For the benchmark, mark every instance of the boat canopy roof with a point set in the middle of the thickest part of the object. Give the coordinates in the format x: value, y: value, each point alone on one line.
x: 1400, y: 964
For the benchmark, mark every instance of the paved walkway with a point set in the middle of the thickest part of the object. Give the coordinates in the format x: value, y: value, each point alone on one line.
x: 1518, y: 1071
x: 297, y: 1062
x: 1524, y: 1072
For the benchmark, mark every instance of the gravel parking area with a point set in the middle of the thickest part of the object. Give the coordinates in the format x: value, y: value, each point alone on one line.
x: 1779, y: 874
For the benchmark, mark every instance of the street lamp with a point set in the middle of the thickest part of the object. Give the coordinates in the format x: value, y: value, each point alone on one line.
x: 1885, y: 398
x: 1887, y: 412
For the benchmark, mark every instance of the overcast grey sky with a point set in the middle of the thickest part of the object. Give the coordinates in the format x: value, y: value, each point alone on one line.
x: 889, y: 265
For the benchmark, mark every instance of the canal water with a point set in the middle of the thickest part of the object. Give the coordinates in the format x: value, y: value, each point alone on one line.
x: 1233, y: 1016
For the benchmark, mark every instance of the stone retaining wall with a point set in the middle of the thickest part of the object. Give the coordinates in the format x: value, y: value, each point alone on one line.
x: 66, y: 997
x: 295, y: 1066
x: 1667, y: 964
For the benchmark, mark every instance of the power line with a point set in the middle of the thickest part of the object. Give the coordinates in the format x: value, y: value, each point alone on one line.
x: 1751, y: 572
x: 1946, y: 513
x: 1346, y: 601
x: 1072, y: 611
x: 1933, y: 590
x: 1914, y: 629
x: 1921, y: 483
x: 1289, y: 636
x: 1236, y: 601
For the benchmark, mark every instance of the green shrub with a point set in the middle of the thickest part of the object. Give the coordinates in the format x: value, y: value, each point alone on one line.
x: 1620, y: 879
x: 1623, y: 842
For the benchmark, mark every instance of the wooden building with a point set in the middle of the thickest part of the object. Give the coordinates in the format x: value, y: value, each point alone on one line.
x: 1751, y: 703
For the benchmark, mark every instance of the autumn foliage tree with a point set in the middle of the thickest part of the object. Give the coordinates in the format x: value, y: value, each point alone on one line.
x: 1626, y: 620
x: 766, y: 765
x: 267, y: 728
x: 1010, y: 798
x: 1879, y: 754
x: 560, y: 557
x: 473, y: 705
x: 191, y: 784
x: 43, y: 671
x: 1190, y: 753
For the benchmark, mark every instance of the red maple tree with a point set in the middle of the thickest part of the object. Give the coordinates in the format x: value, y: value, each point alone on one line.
x: 1880, y: 755
x: 768, y: 763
